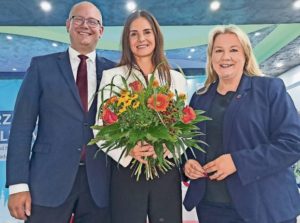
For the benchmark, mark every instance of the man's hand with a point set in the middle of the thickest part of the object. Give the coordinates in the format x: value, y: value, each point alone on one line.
x: 19, y: 205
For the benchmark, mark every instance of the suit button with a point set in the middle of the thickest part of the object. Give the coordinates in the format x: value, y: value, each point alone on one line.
x: 79, y: 149
x: 85, y: 124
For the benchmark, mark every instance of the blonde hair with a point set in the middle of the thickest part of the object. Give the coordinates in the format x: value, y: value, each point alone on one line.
x: 251, y: 67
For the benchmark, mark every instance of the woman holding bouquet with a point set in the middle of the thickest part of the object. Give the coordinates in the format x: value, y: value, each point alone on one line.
x: 160, y: 198
x: 253, y: 138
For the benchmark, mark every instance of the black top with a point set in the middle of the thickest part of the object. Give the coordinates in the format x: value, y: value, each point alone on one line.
x: 216, y: 191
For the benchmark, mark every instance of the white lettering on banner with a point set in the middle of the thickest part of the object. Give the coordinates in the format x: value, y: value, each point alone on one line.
x: 5, y: 118
x: 3, y: 152
x: 4, y: 136
x: 5, y: 123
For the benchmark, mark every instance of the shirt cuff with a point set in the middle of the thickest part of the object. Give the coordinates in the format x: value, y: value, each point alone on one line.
x: 17, y: 188
x: 115, y: 155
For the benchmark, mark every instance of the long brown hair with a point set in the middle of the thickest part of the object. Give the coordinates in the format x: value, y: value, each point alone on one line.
x: 158, y: 58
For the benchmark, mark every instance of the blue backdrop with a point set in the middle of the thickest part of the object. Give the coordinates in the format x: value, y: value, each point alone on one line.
x: 8, y: 92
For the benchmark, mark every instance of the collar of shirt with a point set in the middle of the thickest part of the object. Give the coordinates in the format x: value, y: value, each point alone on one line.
x: 74, y: 55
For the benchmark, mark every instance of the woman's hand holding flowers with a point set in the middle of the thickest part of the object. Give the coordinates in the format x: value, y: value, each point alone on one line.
x: 142, y: 150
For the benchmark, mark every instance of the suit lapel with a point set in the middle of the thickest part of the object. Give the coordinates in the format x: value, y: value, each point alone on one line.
x: 66, y: 70
x: 207, y: 98
x: 233, y: 108
x: 100, y: 66
x: 99, y: 70
x: 203, y: 102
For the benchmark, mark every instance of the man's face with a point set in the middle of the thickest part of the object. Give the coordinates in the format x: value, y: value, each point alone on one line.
x: 84, y: 33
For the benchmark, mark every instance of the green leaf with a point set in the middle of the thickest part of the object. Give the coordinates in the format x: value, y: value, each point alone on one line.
x: 97, y: 127
x: 159, y: 150
x: 170, y: 147
x: 201, y: 119
x: 160, y: 132
x: 134, y: 136
x: 125, y: 83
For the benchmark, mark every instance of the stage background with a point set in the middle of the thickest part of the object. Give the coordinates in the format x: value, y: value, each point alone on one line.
x: 185, y: 47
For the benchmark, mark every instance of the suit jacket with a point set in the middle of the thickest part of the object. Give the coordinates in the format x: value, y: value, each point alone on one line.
x: 262, y: 133
x: 178, y: 82
x: 49, y: 94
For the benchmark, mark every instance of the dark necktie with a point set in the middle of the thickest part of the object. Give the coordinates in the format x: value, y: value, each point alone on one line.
x: 81, y: 82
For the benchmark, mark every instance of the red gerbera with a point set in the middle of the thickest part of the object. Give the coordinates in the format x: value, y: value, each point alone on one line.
x: 109, y: 117
x: 188, y: 114
x: 136, y: 86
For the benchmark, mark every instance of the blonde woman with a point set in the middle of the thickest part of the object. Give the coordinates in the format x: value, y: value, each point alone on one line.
x: 253, y: 139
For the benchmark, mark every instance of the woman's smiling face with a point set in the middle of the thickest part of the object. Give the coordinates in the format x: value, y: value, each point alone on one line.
x: 228, y: 57
x: 141, y: 38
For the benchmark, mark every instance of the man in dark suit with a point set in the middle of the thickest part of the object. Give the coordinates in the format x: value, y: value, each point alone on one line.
x: 58, y: 175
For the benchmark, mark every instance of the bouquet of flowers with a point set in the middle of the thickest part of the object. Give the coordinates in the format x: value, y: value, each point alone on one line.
x: 152, y: 114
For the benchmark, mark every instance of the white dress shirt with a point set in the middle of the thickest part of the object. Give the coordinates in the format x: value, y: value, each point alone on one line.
x: 92, y: 87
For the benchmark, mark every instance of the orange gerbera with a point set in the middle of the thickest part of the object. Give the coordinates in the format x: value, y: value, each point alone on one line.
x: 158, y: 102
x: 182, y: 96
x: 171, y: 95
x: 112, y: 100
x: 155, y: 83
